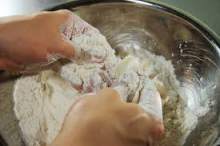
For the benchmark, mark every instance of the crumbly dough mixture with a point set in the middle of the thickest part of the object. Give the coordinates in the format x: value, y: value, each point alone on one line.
x: 42, y: 100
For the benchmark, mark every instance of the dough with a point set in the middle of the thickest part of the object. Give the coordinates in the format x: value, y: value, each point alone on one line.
x: 42, y: 100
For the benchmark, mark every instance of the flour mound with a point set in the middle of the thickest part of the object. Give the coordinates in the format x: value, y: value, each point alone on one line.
x: 42, y: 100
x: 41, y: 103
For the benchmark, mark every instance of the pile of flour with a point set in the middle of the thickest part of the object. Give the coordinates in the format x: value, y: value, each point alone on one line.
x: 42, y: 100
x: 178, y: 120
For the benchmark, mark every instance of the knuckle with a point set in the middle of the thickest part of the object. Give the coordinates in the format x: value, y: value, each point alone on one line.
x: 81, y: 104
x: 135, y: 108
x: 113, y: 93
x: 110, y: 94
x: 65, y: 12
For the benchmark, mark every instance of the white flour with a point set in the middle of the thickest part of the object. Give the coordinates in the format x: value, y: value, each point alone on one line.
x: 41, y: 101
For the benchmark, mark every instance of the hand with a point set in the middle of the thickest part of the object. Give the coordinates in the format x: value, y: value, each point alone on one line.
x: 104, y: 119
x: 28, y: 42
x: 132, y: 85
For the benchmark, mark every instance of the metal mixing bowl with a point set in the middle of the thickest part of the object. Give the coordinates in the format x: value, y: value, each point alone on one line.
x: 139, y: 25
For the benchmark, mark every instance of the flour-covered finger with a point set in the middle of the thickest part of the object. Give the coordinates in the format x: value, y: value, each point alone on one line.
x: 150, y: 99
x: 93, y: 83
x: 123, y: 92
x: 92, y: 53
x: 150, y: 102
x: 97, y: 80
x: 105, y: 77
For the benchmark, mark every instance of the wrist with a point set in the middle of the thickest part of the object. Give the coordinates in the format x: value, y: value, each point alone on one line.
x: 10, y: 33
x: 3, y: 64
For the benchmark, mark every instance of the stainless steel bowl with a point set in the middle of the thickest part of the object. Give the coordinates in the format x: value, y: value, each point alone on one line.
x: 138, y: 25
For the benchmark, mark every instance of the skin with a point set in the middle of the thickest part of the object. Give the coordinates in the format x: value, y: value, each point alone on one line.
x: 100, y: 119
x: 26, y: 40
x: 105, y: 119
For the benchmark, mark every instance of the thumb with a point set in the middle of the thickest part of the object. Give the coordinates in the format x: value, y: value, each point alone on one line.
x: 123, y: 92
x: 7, y: 64
x: 66, y: 49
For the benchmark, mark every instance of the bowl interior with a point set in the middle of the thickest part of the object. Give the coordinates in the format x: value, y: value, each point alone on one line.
x: 140, y: 25
x: 195, y: 56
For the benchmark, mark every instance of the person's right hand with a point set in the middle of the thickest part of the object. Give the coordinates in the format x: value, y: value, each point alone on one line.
x: 29, y: 42
x: 104, y: 119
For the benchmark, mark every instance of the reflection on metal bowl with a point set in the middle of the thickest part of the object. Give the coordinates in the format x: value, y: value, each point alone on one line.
x: 142, y: 25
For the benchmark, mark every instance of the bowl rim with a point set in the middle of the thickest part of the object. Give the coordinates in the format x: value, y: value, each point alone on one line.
x: 210, y: 35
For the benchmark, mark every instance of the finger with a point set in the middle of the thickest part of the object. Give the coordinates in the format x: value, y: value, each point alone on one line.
x: 141, y: 123
x: 98, y: 58
x: 150, y: 99
x: 35, y: 67
x: 128, y: 85
x: 90, y: 48
x: 70, y: 76
x: 88, y: 29
x: 122, y: 91
x: 149, y: 127
x: 58, y: 16
x: 65, y: 48
x: 72, y: 25
x: 7, y: 64
x: 94, y: 82
x: 75, y: 82
x: 108, y: 95
x: 84, y: 97
x: 62, y: 22
x: 98, y: 79
x: 31, y: 58
x: 150, y: 102
x: 105, y: 77
x: 78, y: 103
x: 67, y: 26
x: 79, y: 25
x: 91, y: 53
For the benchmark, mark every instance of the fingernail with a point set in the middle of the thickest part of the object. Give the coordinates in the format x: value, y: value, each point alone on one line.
x: 160, y: 130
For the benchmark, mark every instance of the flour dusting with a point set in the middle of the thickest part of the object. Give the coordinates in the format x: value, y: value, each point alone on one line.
x: 42, y: 100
